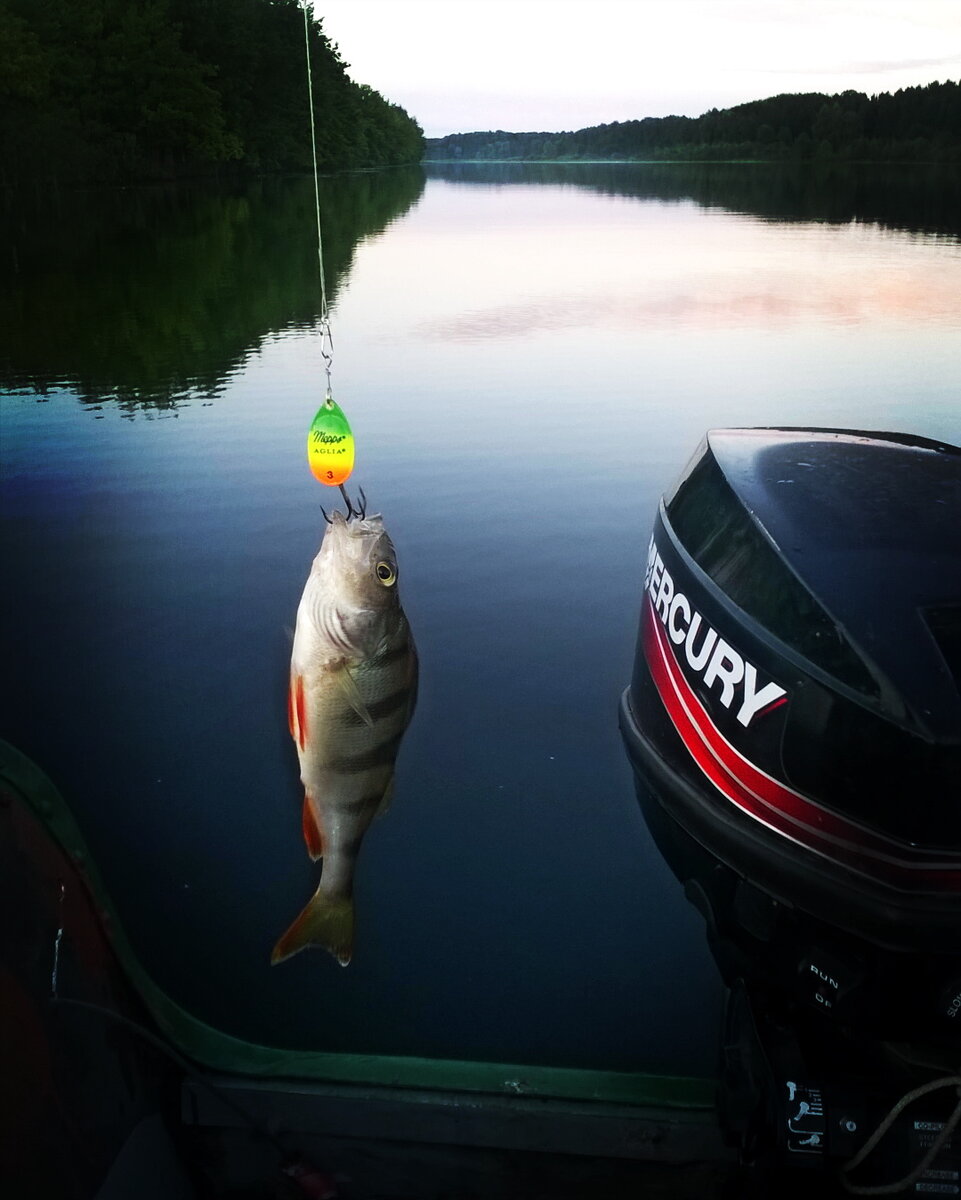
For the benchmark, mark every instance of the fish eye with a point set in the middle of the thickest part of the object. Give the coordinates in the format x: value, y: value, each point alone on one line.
x: 386, y: 573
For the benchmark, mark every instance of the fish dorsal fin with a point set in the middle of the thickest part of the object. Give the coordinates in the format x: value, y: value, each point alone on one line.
x: 348, y: 685
x: 386, y: 799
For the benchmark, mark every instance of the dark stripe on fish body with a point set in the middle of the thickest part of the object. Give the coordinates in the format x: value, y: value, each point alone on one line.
x: 381, y: 755
x: 354, y: 806
x: 398, y: 650
x: 379, y: 708
x: 349, y: 847
x: 383, y: 708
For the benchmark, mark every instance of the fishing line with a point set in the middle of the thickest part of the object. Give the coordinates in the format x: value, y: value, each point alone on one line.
x: 327, y: 341
x: 330, y: 442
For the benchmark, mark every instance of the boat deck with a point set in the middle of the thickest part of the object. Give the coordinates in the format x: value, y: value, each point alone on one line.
x: 112, y: 1091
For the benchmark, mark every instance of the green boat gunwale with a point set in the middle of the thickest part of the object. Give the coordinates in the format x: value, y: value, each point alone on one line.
x: 222, y: 1052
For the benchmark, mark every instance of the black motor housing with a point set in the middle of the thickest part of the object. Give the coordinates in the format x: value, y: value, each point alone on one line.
x: 796, y: 697
x: 794, y: 723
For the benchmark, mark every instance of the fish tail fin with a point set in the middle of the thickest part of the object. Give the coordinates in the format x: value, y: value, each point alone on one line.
x: 327, y: 921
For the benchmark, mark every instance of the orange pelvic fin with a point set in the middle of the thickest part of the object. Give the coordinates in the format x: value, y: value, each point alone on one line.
x: 313, y: 834
x: 327, y: 922
x: 297, y: 711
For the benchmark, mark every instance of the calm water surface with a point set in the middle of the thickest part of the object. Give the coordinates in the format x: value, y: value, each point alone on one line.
x: 528, y: 357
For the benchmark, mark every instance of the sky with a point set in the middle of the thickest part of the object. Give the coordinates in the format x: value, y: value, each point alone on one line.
x: 546, y: 65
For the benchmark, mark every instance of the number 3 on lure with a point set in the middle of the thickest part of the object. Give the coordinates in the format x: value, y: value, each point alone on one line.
x: 330, y: 445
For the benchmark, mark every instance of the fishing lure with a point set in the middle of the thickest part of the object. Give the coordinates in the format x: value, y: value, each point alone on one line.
x: 330, y: 445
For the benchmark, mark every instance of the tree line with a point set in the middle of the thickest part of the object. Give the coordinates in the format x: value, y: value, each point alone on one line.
x: 916, y: 124
x: 112, y: 91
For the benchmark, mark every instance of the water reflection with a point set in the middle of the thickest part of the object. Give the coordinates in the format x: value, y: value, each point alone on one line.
x: 924, y: 198
x: 666, y: 256
x: 143, y: 296
x: 512, y: 909
x: 846, y: 292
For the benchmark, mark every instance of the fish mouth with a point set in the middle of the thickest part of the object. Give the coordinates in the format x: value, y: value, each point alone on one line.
x: 358, y: 511
x: 357, y: 524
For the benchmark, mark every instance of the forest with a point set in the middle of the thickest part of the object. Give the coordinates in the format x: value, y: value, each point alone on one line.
x: 113, y: 91
x: 916, y: 124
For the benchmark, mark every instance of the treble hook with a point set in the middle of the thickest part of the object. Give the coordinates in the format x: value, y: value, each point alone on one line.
x: 360, y: 511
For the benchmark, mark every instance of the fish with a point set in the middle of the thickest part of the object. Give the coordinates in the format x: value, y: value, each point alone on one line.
x: 352, y: 692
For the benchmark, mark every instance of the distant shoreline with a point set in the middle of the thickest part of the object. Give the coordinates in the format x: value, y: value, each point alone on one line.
x: 688, y: 162
x: 912, y: 125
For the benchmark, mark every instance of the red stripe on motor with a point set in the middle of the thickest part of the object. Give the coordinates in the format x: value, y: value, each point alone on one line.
x: 770, y: 802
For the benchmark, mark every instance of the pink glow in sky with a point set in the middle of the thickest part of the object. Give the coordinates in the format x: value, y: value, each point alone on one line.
x: 463, y: 65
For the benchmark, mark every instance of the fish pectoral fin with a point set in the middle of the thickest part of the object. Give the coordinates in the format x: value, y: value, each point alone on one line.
x: 386, y: 799
x: 326, y: 921
x: 313, y: 834
x: 348, y: 685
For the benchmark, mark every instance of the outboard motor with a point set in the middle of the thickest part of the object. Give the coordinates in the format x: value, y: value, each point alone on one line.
x: 794, y: 723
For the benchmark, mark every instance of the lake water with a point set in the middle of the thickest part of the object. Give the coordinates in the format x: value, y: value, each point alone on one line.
x: 528, y: 356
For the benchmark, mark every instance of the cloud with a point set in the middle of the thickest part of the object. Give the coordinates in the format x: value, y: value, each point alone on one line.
x: 873, y: 68
x: 566, y: 64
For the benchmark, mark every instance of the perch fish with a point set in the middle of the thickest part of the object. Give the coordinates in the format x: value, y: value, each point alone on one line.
x: 353, y: 684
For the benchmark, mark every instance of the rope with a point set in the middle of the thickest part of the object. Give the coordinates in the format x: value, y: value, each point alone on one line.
x: 890, y: 1189
x: 326, y: 340
x: 56, y: 946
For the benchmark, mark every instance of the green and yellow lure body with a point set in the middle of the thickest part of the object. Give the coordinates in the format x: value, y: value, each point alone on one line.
x: 330, y: 445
